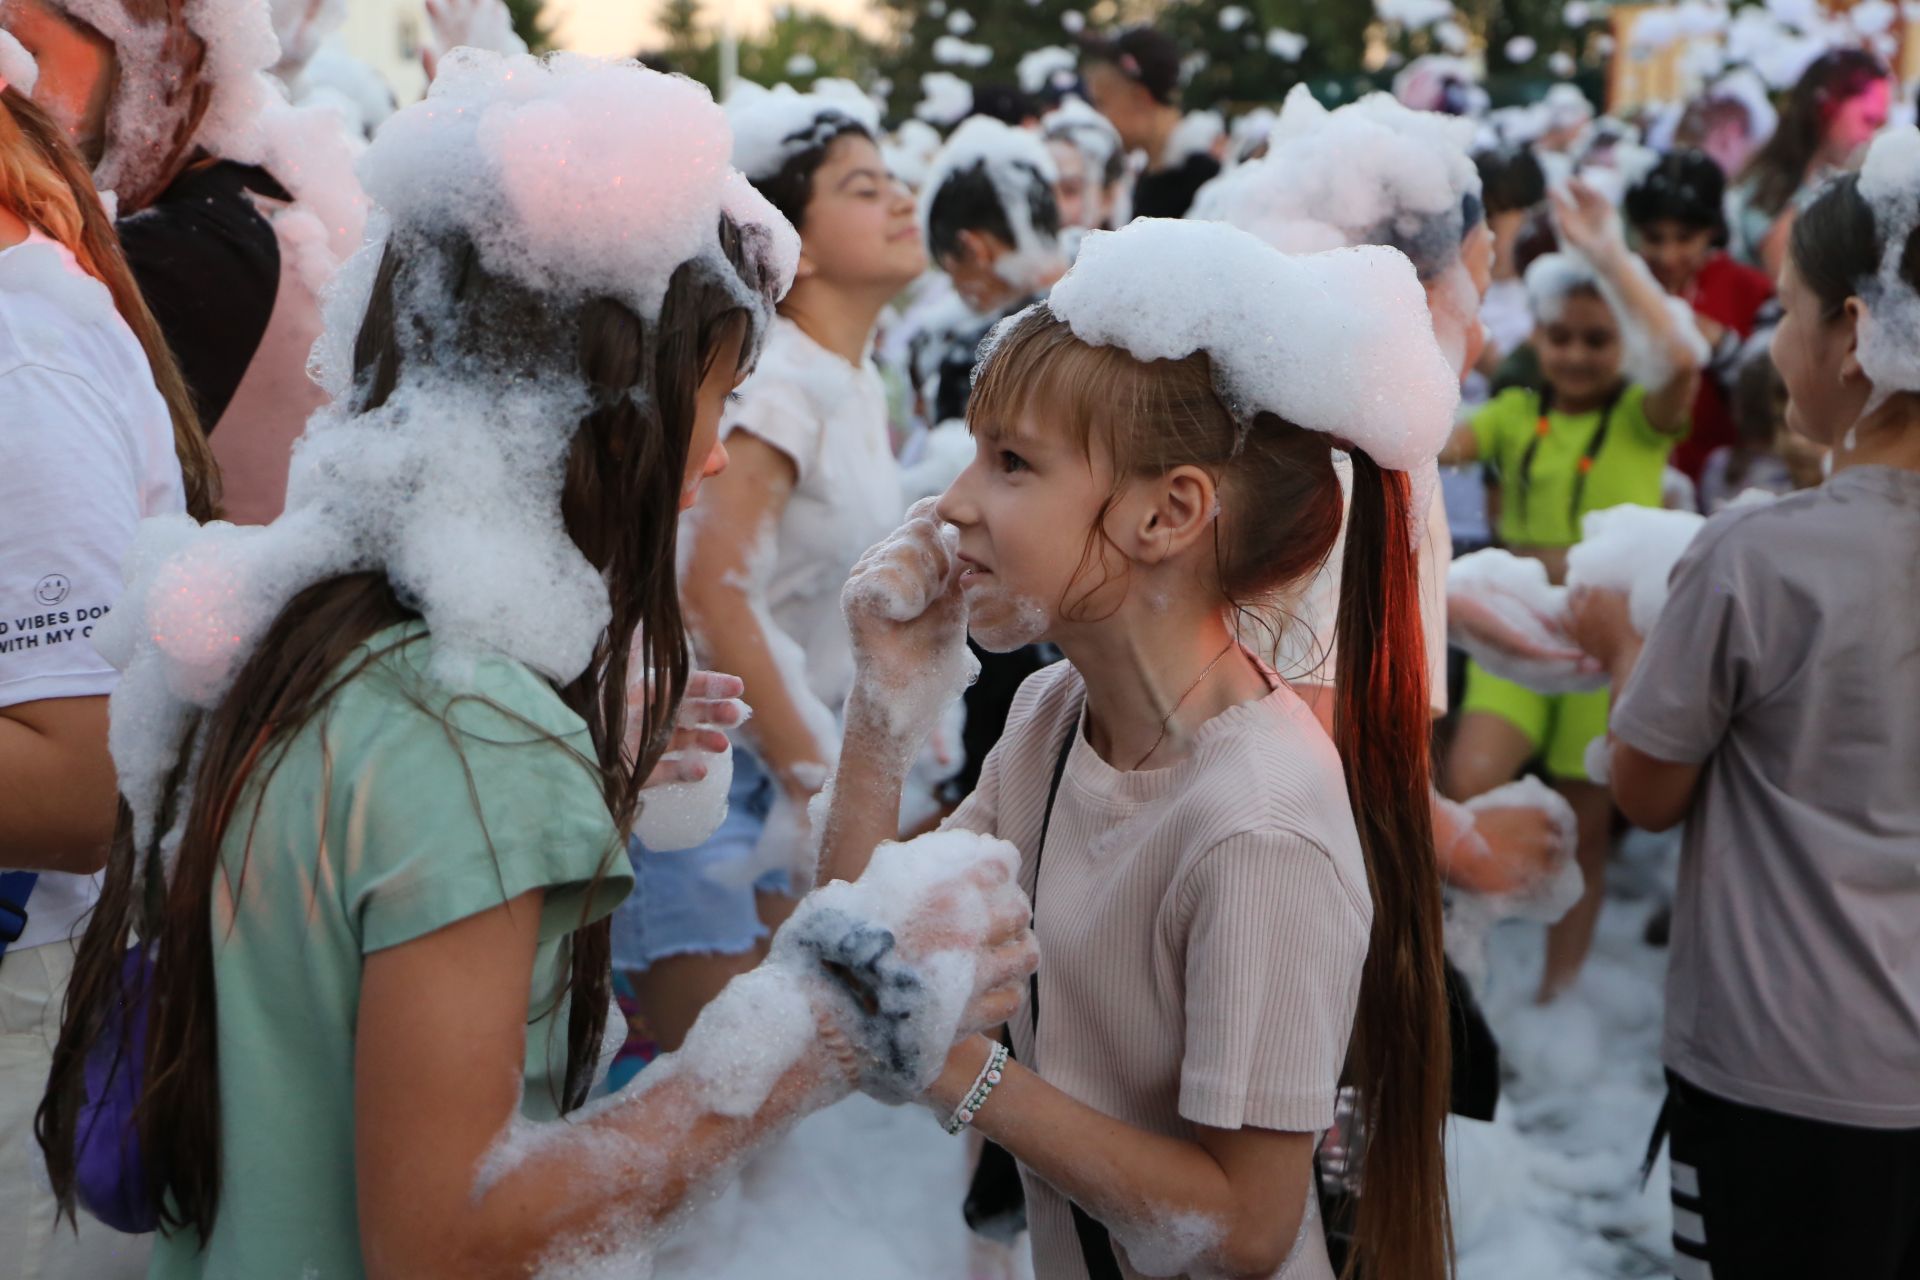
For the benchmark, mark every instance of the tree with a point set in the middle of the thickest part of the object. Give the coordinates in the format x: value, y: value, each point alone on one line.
x: 681, y: 26
x: 1246, y: 52
x: 530, y: 24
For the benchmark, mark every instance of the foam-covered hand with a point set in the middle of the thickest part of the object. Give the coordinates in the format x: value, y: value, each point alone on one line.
x: 1601, y: 622
x: 1588, y: 223
x: 931, y: 945
x: 907, y: 616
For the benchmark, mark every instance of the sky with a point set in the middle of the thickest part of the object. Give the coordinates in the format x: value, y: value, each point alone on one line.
x: 622, y: 26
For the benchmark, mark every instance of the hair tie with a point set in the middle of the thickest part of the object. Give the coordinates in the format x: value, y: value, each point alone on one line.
x: 1131, y: 66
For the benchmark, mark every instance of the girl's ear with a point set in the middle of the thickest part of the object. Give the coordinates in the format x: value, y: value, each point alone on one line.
x: 806, y: 267
x: 1180, y: 509
x: 1849, y: 317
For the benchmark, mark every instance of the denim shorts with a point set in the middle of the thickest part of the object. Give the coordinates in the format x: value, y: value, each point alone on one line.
x: 684, y: 903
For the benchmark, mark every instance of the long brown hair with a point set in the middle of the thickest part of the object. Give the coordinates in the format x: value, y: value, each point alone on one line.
x: 1280, y: 513
x: 44, y: 180
x: 1834, y: 79
x: 620, y: 501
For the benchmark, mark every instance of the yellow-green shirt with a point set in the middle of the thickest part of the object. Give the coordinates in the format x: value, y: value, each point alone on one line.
x: 398, y: 810
x: 1626, y: 470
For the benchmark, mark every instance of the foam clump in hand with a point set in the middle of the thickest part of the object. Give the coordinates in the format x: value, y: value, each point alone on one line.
x: 1890, y: 331
x: 684, y: 815
x: 1297, y: 336
x: 1507, y: 615
x: 451, y: 486
x: 1632, y: 549
x: 899, y: 945
x: 1544, y: 897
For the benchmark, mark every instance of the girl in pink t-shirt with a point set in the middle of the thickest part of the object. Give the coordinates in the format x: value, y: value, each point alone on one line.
x: 1235, y: 919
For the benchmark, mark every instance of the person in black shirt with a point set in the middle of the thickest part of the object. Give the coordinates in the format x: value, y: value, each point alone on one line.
x: 1134, y: 81
x: 206, y: 260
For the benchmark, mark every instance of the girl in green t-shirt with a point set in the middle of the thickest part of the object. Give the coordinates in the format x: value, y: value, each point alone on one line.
x: 1619, y: 369
x: 374, y: 825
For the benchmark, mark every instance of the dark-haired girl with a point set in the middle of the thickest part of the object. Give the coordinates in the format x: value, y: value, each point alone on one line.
x: 1772, y: 711
x: 811, y: 482
x: 1832, y: 112
x: 1592, y: 438
x: 370, y: 862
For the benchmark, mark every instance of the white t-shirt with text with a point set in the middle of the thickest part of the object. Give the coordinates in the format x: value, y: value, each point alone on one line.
x: 86, y: 452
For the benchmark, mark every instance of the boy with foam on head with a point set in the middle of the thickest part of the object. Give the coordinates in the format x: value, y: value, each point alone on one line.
x: 992, y: 223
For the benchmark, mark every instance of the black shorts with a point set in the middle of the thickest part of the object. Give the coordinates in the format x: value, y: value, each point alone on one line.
x: 1758, y: 1195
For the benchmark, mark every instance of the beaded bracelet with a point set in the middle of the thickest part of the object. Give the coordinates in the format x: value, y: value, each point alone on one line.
x: 982, y: 1086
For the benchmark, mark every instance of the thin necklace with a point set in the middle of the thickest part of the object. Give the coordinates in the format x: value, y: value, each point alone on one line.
x: 1168, y: 722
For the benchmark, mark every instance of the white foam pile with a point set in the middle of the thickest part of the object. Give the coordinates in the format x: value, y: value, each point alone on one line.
x: 772, y: 126
x: 910, y: 149
x: 945, y: 98
x: 1504, y: 612
x: 17, y: 67
x: 248, y: 119
x: 452, y: 487
x: 1632, y: 549
x: 1889, y: 337
x: 1284, y: 44
x: 1372, y: 172
x: 1287, y: 335
x: 1543, y: 897
x: 1018, y: 165
x: 1048, y: 67
x: 1413, y: 14
x: 952, y: 51
x: 684, y: 815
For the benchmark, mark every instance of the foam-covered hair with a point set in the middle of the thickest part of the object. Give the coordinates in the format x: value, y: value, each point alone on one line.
x: 1297, y: 336
x: 1371, y: 172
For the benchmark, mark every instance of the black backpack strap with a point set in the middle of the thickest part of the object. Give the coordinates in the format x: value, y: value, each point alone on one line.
x: 1096, y: 1246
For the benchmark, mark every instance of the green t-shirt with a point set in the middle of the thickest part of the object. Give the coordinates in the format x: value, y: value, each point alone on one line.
x: 1625, y: 471
x: 400, y: 809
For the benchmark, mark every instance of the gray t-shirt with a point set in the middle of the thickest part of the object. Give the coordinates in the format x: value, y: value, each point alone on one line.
x: 1788, y: 662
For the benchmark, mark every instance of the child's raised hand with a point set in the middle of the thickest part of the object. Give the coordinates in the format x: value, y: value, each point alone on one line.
x: 709, y: 706
x: 1587, y: 222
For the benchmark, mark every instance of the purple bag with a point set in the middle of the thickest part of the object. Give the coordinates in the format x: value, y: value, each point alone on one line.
x: 110, y: 1176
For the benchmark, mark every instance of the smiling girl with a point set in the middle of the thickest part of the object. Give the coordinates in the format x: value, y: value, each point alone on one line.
x: 1222, y: 898
x: 1591, y: 438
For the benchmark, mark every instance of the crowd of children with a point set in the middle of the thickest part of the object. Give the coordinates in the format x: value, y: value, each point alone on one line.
x: 966, y: 626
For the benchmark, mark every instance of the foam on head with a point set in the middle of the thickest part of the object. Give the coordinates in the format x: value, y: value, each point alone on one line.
x: 1890, y: 329
x: 1337, y: 342
x: 771, y: 127
x: 1372, y: 172
x: 452, y: 486
x: 526, y: 156
x: 1551, y: 279
x: 1014, y: 160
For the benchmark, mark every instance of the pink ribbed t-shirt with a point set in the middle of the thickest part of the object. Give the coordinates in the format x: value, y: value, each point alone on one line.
x: 1201, y: 929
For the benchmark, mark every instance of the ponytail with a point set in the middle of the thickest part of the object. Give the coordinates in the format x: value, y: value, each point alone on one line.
x: 44, y: 180
x: 1398, y: 1062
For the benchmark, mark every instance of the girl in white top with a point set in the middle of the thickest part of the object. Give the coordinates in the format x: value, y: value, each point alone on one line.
x: 1222, y: 897
x: 811, y: 483
x: 87, y: 450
